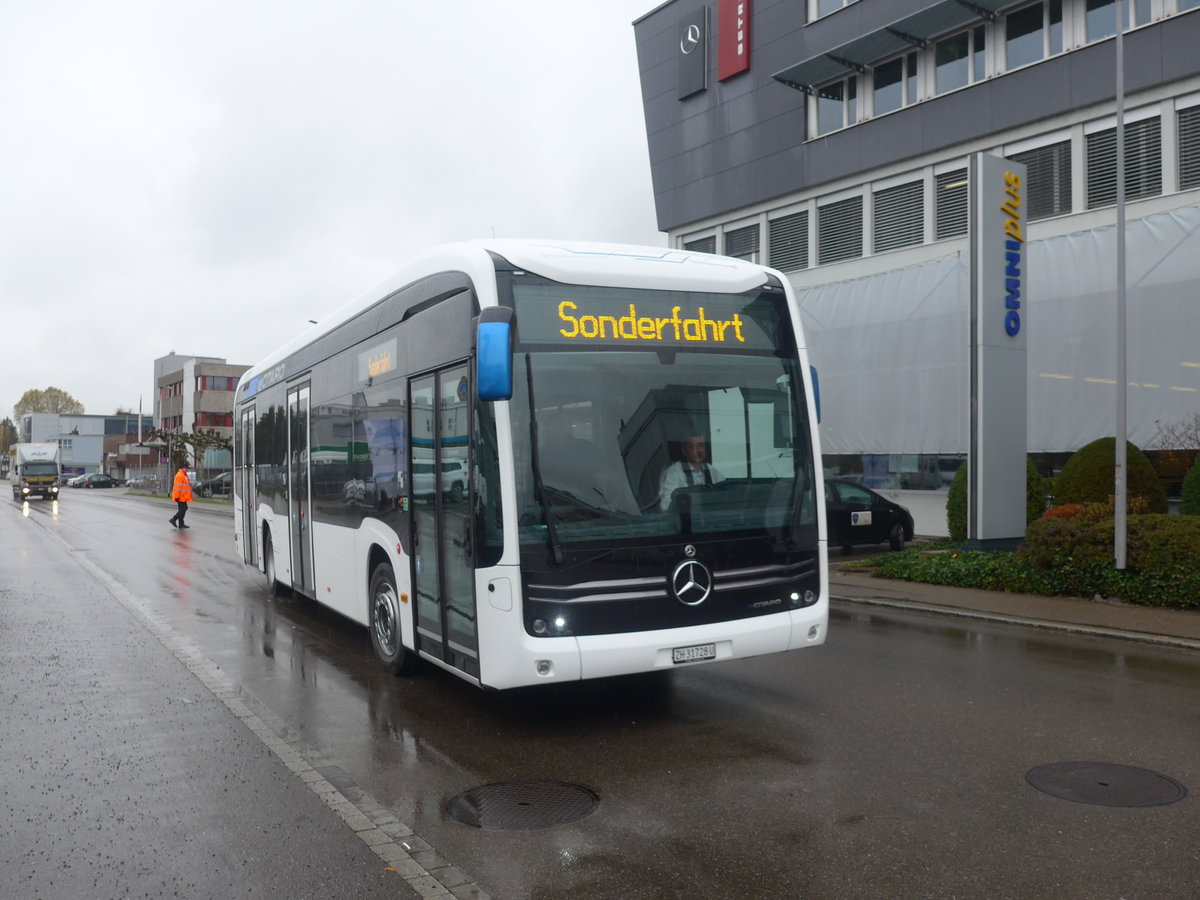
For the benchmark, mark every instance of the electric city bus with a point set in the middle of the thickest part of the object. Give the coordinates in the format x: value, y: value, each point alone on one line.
x: 474, y: 461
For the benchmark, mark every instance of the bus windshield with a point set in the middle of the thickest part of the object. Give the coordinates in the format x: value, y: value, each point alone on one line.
x: 641, y: 414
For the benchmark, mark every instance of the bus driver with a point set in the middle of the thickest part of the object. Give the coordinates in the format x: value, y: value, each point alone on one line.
x: 689, y: 471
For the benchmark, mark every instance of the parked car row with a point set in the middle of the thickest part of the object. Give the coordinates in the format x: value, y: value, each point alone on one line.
x: 94, y: 480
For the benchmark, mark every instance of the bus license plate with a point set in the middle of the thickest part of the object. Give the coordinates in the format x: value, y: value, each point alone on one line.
x: 694, y: 654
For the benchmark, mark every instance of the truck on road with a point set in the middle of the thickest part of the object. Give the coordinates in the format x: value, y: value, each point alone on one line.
x: 33, y: 471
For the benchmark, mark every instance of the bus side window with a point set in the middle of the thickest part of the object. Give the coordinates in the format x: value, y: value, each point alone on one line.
x: 489, y: 535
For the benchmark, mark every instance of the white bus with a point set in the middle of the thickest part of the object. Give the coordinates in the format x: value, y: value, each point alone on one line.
x: 470, y: 461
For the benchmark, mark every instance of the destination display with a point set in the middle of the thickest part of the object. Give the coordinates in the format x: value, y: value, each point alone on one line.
x: 644, y: 319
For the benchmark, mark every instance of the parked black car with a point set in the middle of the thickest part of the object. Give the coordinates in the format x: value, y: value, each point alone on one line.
x: 95, y: 480
x: 857, y: 515
x: 221, y: 486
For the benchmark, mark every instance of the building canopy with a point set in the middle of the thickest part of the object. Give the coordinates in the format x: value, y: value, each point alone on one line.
x: 914, y: 30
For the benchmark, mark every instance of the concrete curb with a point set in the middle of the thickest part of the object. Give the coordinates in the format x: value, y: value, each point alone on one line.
x: 1161, y: 640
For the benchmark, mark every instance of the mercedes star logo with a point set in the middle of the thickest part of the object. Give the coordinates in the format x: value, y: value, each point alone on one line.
x: 691, y: 582
x: 691, y: 39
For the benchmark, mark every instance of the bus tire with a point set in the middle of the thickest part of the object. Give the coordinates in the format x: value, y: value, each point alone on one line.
x: 385, y: 622
x: 273, y: 584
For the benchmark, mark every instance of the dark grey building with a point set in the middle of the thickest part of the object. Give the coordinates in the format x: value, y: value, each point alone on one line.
x: 830, y: 139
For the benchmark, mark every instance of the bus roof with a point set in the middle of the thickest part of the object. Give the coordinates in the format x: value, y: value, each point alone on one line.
x: 573, y: 262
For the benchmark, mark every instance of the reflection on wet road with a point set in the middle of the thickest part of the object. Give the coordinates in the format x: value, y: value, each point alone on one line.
x: 891, y: 761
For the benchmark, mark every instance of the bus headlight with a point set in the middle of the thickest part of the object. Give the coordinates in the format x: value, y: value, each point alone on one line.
x: 555, y: 626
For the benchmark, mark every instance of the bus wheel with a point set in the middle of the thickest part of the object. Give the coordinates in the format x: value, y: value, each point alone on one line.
x: 385, y: 621
x: 273, y: 584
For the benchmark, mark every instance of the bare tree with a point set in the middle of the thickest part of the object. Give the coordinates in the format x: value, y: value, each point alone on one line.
x: 1181, y: 435
x: 1176, y: 444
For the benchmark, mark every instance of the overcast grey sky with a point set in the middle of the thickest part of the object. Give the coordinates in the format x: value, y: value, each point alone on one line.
x: 205, y: 178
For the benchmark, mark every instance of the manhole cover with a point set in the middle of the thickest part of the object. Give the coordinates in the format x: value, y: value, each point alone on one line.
x: 1105, y: 784
x: 522, y: 805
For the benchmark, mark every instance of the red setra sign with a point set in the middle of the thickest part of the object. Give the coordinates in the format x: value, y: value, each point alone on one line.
x: 733, y: 38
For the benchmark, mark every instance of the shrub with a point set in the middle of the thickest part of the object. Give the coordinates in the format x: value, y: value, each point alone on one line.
x: 956, y: 505
x: 1053, y: 542
x: 1162, y: 543
x: 1066, y: 511
x: 1191, y: 491
x: 1154, y: 543
x: 1010, y: 572
x: 1088, y: 476
x: 1094, y: 512
x: 956, y: 499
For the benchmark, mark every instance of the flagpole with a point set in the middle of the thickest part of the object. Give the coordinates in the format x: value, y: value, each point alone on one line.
x: 1120, y: 470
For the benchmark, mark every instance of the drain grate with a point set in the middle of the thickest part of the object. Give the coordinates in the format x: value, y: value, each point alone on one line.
x: 1105, y: 784
x: 522, y: 805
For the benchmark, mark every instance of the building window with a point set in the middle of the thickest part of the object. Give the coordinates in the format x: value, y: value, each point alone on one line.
x: 840, y: 230
x: 215, y: 383
x: 1143, y: 163
x: 1189, y: 146
x: 950, y: 204
x: 1185, y: 5
x: 214, y: 420
x: 960, y: 59
x: 742, y: 243
x: 1100, y: 17
x: 1047, y: 180
x: 702, y: 245
x: 788, y: 237
x: 1033, y: 33
x: 818, y: 8
x: 837, y: 105
x: 900, y: 216
x: 895, y: 84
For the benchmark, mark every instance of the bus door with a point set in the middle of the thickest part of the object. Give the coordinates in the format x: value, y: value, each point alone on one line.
x: 247, y: 488
x: 298, y: 494
x: 443, y: 579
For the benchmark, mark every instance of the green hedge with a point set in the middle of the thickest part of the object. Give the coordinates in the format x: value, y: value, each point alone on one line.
x: 1069, y: 578
x: 1191, y: 491
x: 1154, y: 543
x: 1088, y: 476
x: 1070, y: 552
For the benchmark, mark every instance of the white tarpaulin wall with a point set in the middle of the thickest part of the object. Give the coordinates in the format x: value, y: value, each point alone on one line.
x: 892, y: 349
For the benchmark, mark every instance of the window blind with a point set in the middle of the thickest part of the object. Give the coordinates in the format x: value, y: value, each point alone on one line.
x: 899, y: 216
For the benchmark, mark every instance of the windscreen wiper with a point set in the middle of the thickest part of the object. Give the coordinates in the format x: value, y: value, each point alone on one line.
x: 539, y: 486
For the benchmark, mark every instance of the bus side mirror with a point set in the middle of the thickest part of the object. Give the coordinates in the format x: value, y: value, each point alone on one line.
x: 816, y: 382
x: 494, y: 353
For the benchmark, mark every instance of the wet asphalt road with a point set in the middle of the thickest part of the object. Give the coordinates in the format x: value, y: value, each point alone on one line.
x: 890, y: 762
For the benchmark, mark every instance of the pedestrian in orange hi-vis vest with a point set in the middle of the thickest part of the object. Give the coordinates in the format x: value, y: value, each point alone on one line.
x: 181, y: 493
